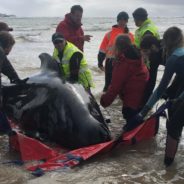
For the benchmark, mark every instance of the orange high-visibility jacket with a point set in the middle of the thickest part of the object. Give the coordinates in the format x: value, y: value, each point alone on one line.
x: 107, y: 45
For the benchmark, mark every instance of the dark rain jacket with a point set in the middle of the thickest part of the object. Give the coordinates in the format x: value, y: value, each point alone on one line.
x: 6, y: 68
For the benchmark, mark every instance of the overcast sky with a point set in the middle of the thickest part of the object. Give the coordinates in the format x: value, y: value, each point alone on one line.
x: 92, y: 8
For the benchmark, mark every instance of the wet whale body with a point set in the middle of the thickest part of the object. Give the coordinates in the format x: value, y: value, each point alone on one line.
x: 55, y: 109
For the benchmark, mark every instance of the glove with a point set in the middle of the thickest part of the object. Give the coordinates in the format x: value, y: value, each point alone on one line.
x: 165, y: 96
x: 20, y: 81
x: 134, y: 122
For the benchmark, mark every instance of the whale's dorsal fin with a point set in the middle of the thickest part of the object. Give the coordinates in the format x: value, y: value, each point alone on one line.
x: 48, y: 63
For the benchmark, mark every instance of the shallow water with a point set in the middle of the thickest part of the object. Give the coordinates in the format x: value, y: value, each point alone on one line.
x: 135, y: 164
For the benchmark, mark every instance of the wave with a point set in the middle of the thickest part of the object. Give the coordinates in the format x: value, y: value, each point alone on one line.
x: 95, y: 29
x: 29, y: 38
x: 25, y: 29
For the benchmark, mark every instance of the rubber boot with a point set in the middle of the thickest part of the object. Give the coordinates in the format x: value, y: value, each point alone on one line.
x: 170, y: 151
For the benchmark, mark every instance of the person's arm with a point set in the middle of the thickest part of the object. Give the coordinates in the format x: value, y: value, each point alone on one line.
x: 102, y: 50
x: 75, y: 66
x: 9, y: 71
x: 168, y: 73
x: 101, y: 57
x: 118, y: 78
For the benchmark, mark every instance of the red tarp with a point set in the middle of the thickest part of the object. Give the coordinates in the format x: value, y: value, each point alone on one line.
x: 31, y: 149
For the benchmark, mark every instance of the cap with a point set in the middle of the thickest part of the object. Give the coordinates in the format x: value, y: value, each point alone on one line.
x: 57, y: 37
x: 122, y: 15
x: 140, y: 13
x: 5, y: 27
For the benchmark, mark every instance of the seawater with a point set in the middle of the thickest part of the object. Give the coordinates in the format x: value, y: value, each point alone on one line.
x: 141, y: 163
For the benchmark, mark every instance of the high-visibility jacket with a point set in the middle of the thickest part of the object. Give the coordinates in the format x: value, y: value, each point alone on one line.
x: 147, y: 25
x: 108, y: 42
x: 85, y: 77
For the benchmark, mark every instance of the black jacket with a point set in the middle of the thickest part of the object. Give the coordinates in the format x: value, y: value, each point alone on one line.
x: 6, y: 68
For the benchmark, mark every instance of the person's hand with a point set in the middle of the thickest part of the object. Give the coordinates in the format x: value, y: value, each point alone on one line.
x: 87, y: 38
x: 134, y: 122
x: 20, y: 81
x: 101, y: 67
x: 165, y: 96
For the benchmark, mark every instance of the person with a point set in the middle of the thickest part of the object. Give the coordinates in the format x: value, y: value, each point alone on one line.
x: 151, y: 49
x: 146, y: 27
x: 6, y: 43
x: 72, y: 63
x: 144, y: 24
x: 173, y: 43
x: 5, y: 27
x: 106, y: 50
x: 129, y: 78
x: 71, y: 28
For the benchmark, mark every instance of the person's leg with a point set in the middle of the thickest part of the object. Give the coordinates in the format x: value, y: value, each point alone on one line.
x: 174, y: 131
x: 4, y: 123
x: 108, y: 73
x: 129, y: 113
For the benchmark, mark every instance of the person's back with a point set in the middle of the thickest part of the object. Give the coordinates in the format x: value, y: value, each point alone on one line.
x: 128, y: 79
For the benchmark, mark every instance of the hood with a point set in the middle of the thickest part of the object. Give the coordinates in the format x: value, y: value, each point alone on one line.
x: 70, y: 21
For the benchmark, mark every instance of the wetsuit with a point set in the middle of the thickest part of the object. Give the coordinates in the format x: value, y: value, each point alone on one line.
x: 174, y: 65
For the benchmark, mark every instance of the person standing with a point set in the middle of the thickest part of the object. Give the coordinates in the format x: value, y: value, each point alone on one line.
x: 147, y: 27
x: 71, y: 28
x: 151, y: 49
x: 129, y: 78
x: 72, y: 63
x: 173, y: 44
x: 106, y: 51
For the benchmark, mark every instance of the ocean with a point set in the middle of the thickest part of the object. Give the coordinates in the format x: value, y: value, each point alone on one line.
x: 139, y: 164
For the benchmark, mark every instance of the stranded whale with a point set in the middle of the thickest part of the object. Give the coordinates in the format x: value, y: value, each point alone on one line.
x: 56, y: 109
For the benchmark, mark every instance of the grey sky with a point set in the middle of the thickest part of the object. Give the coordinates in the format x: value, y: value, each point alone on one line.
x: 92, y: 8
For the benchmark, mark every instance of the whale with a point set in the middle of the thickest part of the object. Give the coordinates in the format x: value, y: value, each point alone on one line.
x: 51, y: 108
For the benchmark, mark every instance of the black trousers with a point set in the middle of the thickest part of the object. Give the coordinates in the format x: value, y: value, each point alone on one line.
x: 108, y: 73
x: 176, y: 120
x: 176, y: 112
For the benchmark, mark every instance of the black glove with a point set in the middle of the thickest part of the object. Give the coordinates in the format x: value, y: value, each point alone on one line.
x: 20, y: 81
x: 165, y: 96
x: 134, y: 122
x: 101, y: 57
